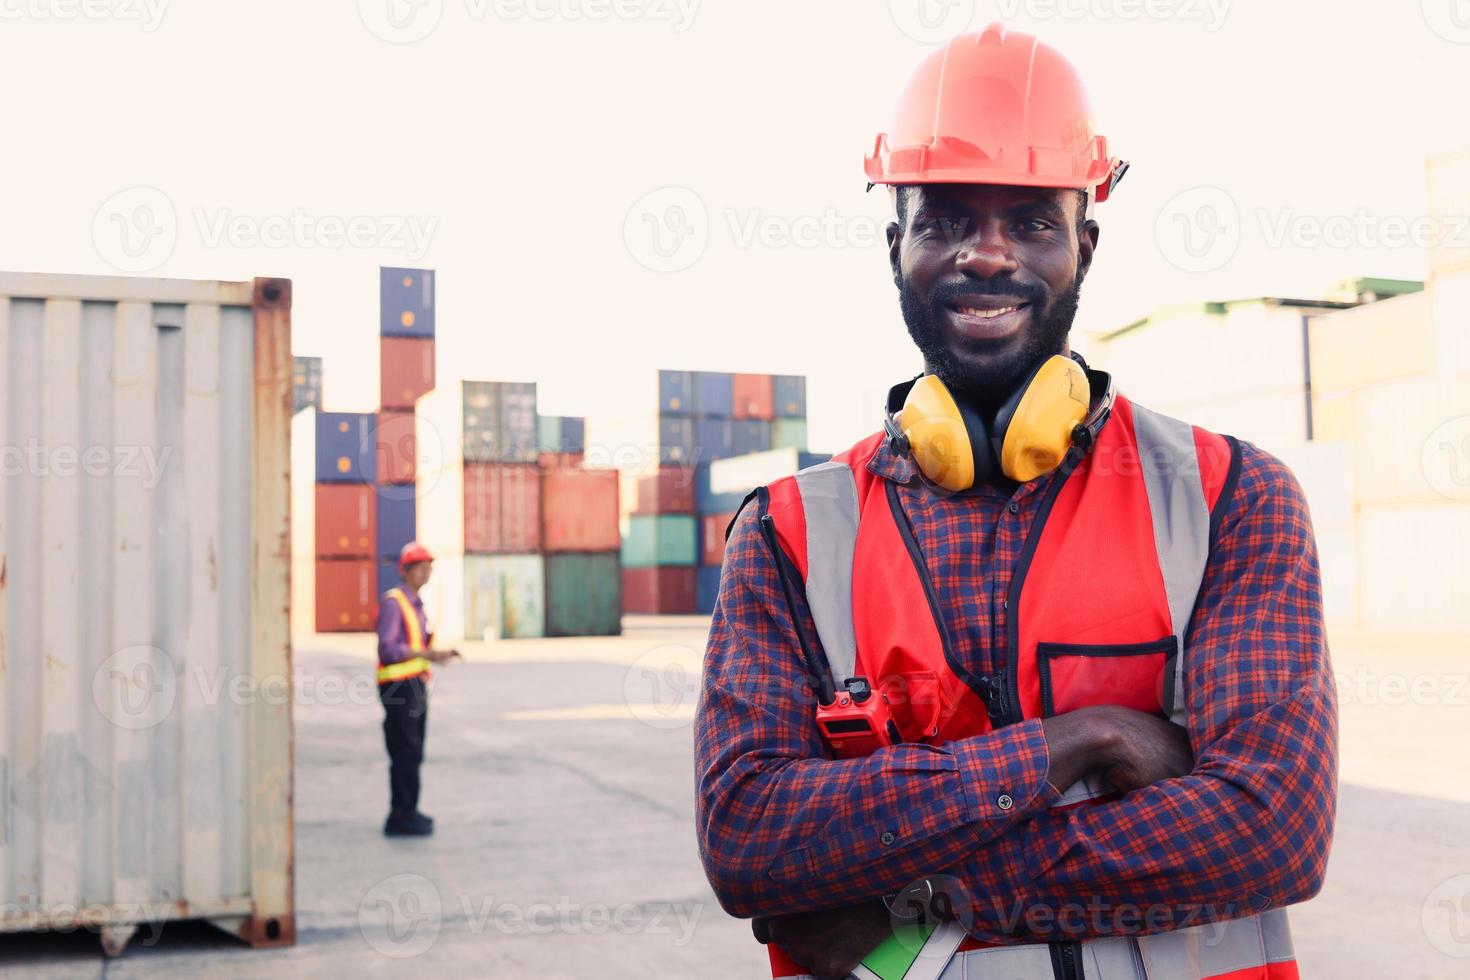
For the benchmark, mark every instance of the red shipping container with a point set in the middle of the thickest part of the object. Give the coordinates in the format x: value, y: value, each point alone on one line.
x: 406, y: 372
x: 346, y: 520
x: 345, y: 595
x: 502, y: 508
x: 712, y: 537
x: 754, y: 396
x: 580, y: 509
x: 548, y: 460
x: 669, y: 491
x: 395, y: 447
x: 661, y: 589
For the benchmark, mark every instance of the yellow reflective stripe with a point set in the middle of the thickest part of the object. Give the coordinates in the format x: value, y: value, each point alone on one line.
x: 410, y: 620
x: 402, y: 670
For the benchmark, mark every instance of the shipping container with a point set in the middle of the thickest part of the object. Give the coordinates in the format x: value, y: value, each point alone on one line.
x: 660, y: 539
x: 405, y: 371
x: 129, y: 785
x: 479, y: 422
x: 579, y: 509
x: 712, y: 537
x: 306, y: 383
x: 548, y: 460
x: 303, y: 522
x: 344, y: 447
x: 502, y: 508
x: 713, y: 439
x: 706, y: 588
x: 662, y: 589
x: 750, y: 436
x: 675, y: 393
x: 788, y: 434
x: 789, y: 394
x: 389, y: 577
x: 346, y: 520
x: 406, y: 302
x: 395, y: 448
x: 741, y: 474
x: 396, y: 525
x: 707, y: 501
x: 560, y: 434
x: 573, y: 434
x: 1415, y: 567
x: 504, y: 597
x: 1408, y: 442
x: 753, y: 396
x: 583, y: 595
x: 668, y: 490
x: 714, y: 395
x: 675, y: 440
x: 346, y: 592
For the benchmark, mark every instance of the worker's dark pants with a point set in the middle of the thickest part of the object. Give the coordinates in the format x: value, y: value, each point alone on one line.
x: 405, y: 716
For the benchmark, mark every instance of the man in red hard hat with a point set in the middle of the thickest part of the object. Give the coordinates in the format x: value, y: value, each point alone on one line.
x: 404, y: 654
x: 1034, y: 670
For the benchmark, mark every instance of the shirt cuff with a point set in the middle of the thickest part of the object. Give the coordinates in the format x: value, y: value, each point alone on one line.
x: 1004, y: 774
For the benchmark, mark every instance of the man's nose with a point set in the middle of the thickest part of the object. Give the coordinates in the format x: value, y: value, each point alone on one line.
x: 986, y: 255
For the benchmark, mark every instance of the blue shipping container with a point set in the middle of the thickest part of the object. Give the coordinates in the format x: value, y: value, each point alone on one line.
x: 706, y: 588
x: 790, y: 396
x: 573, y: 434
x: 713, y: 439
x: 714, y: 394
x: 388, y: 575
x: 751, y: 436
x: 406, y: 302
x: 396, y: 520
x: 675, y: 440
x: 675, y: 393
x: 344, y: 447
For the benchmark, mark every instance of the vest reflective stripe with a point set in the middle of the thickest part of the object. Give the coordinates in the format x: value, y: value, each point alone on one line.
x: 413, y: 666
x: 830, y: 497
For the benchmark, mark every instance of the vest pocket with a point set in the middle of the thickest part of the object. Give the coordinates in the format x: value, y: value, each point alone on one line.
x: 1132, y: 675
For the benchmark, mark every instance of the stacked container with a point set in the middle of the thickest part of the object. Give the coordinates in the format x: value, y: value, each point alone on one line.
x: 660, y: 549
x: 306, y: 383
x: 345, y: 509
x: 579, y: 535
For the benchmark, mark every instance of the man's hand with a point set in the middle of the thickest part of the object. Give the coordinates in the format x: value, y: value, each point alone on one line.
x: 829, y: 943
x: 441, y: 656
x: 1132, y: 749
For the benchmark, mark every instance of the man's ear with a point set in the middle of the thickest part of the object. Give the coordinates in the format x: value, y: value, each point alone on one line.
x: 1086, y: 245
x: 895, y: 240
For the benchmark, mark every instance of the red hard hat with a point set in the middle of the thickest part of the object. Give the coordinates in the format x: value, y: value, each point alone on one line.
x: 997, y: 107
x: 413, y: 553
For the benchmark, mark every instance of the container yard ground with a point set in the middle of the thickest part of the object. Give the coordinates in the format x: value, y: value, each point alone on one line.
x: 566, y: 845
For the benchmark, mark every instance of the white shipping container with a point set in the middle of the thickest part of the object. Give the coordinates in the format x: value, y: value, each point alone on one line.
x: 737, y: 474
x: 303, y: 522
x: 145, y: 542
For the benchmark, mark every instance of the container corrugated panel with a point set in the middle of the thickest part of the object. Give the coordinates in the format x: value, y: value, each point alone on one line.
x: 583, y: 595
x: 158, y: 558
x: 579, y: 509
x: 789, y: 394
x: 788, y: 434
x: 573, y: 434
x: 502, y: 508
x: 753, y: 396
x: 706, y: 588
x: 346, y: 520
x: 675, y: 440
x: 504, y: 597
x: 714, y: 395
x: 675, y: 392
x: 395, y: 448
x: 406, y: 302
x: 396, y: 521
x: 518, y: 421
x: 712, y: 537
x: 751, y: 436
x: 713, y: 439
x: 669, y: 490
x: 663, y: 589
x: 346, y: 589
x: 480, y: 423
x: 660, y: 539
x: 405, y: 371
x: 548, y: 433
x: 344, y: 447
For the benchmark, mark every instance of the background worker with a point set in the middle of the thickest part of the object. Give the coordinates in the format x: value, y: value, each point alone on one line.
x: 404, y: 654
x: 1095, y: 631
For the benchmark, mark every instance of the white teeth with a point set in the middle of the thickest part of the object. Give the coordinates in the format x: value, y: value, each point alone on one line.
x: 987, y: 314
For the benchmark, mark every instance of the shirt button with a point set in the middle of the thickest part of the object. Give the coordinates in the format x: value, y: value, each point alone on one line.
x: 887, y: 837
x: 1005, y: 802
x: 1013, y: 507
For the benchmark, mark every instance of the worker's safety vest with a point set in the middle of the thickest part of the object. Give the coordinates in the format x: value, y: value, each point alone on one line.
x: 417, y: 664
x: 1098, y: 608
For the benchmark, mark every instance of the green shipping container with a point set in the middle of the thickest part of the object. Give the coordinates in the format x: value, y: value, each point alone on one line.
x: 548, y: 433
x: 504, y: 597
x: 583, y: 595
x: 660, y: 539
x: 788, y: 434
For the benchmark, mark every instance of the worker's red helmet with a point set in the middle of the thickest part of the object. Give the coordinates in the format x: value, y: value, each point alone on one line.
x: 996, y: 107
x: 411, y: 554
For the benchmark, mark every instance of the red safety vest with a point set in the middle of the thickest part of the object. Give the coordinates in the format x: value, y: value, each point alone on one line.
x: 1099, y: 605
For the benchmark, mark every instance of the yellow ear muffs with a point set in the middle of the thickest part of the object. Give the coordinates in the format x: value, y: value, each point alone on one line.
x: 937, y: 435
x: 1038, y: 432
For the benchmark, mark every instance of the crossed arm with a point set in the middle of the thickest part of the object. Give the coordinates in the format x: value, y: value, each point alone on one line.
x: 785, y: 829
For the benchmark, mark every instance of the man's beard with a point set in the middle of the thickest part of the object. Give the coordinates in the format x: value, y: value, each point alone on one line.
x: 988, y: 387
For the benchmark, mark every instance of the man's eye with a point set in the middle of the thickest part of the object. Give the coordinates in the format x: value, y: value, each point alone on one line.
x: 1035, y: 225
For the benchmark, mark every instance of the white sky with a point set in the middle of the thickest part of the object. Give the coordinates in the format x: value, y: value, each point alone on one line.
x: 524, y: 132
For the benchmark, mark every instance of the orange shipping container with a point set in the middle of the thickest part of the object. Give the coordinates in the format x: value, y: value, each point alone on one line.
x: 345, y: 595
x: 346, y: 520
x: 660, y: 589
x: 712, y: 537
x: 406, y: 372
x: 502, y: 508
x: 754, y: 396
x: 581, y: 509
x: 395, y: 447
